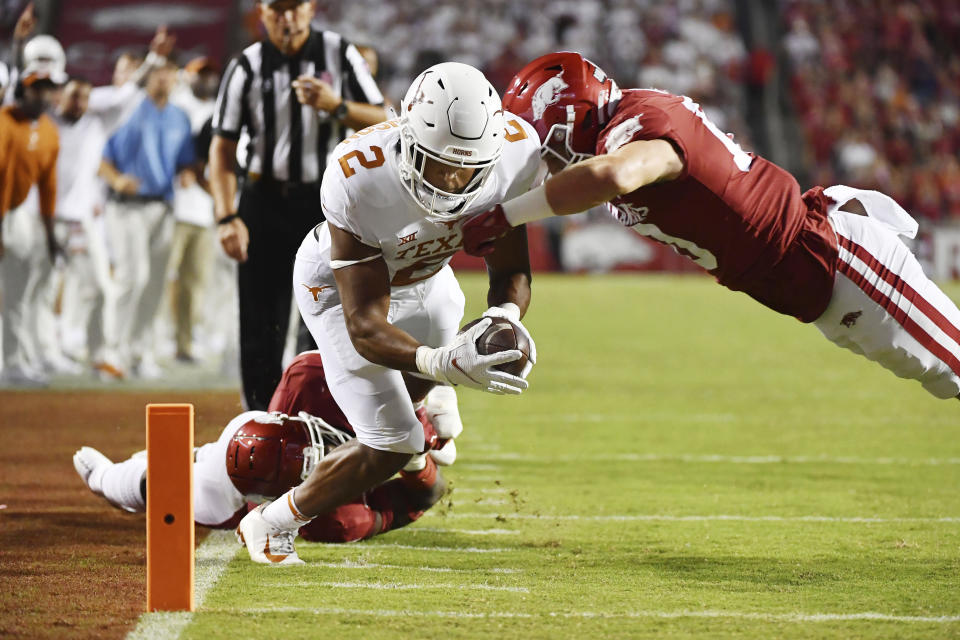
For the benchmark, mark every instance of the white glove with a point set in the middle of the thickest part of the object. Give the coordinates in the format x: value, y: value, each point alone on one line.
x: 511, y: 312
x: 460, y: 363
x: 417, y: 463
x: 445, y: 455
x: 441, y: 406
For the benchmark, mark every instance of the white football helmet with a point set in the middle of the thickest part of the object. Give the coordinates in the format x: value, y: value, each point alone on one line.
x: 43, y: 57
x: 451, y: 114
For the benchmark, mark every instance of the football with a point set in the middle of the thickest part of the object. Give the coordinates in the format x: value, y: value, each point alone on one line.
x: 502, y: 335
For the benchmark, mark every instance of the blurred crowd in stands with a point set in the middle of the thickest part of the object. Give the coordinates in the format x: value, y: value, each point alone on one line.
x: 875, y: 85
x: 685, y: 46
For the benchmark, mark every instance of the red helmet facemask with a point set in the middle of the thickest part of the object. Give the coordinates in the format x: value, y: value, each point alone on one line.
x: 567, y: 99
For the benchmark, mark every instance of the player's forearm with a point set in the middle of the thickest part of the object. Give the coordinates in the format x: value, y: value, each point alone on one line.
x: 583, y: 186
x: 223, y: 180
x: 575, y: 189
x: 514, y: 289
x: 382, y: 343
x: 509, y: 271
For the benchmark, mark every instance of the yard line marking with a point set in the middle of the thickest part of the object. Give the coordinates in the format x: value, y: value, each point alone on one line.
x: 352, y: 564
x: 743, y: 615
x: 700, y: 518
x: 385, y: 545
x: 480, y: 466
x: 478, y: 490
x: 469, y: 532
x: 496, y: 502
x: 717, y: 458
x: 212, y: 557
x: 393, y: 586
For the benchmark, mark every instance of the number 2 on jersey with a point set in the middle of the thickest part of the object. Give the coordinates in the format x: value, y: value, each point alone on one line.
x: 366, y: 163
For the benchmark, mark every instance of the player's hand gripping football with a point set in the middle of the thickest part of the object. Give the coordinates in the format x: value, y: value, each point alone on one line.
x: 511, y: 312
x: 459, y: 363
x: 481, y: 232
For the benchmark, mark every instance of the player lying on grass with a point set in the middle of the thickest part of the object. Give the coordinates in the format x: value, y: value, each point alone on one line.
x: 375, y: 289
x: 668, y: 173
x: 260, y: 455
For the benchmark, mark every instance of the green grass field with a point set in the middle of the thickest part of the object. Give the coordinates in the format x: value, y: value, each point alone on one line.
x: 684, y: 464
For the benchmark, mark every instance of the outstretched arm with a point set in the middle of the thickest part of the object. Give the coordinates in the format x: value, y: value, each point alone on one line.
x: 577, y: 188
x: 600, y: 179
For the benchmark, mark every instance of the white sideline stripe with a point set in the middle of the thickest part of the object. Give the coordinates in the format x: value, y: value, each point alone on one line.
x: 351, y: 564
x: 394, y: 586
x: 469, y: 532
x: 690, y: 457
x: 743, y: 615
x: 383, y: 545
x: 212, y: 557
x: 702, y: 518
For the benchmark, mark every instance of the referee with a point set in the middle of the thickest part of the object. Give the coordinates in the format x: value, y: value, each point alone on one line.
x: 285, y: 102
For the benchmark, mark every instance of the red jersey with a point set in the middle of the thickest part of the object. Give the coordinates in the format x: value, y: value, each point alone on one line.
x: 735, y: 214
x: 303, y: 387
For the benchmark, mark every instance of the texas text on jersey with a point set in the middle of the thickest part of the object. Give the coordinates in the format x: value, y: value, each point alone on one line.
x: 737, y: 215
x: 362, y: 194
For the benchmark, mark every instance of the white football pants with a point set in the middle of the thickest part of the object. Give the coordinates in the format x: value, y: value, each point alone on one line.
x: 885, y: 308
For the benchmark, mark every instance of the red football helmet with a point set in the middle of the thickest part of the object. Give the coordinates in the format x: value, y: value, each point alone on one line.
x: 567, y: 99
x: 273, y: 452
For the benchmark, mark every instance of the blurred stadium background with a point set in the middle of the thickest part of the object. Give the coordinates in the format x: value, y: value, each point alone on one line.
x: 858, y: 92
x: 861, y: 92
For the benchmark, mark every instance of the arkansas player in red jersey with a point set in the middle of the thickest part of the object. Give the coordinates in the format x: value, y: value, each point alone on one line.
x: 262, y: 454
x: 668, y: 173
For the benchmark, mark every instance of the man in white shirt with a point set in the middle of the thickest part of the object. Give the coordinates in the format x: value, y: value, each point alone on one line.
x: 86, y: 277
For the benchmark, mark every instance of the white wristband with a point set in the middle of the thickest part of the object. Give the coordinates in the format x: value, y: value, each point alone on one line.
x: 528, y: 207
x: 425, y: 360
x: 512, y: 311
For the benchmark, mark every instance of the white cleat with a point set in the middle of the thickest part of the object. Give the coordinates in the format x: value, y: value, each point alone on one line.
x: 442, y: 409
x: 446, y: 455
x: 86, y: 461
x: 266, y: 544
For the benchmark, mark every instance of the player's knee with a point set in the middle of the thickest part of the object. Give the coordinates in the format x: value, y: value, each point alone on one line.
x: 348, y: 523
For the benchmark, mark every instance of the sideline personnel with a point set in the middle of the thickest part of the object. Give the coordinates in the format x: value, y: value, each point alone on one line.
x: 29, y: 146
x: 291, y: 97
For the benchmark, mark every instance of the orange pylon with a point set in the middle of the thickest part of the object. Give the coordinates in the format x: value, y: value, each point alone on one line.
x: 170, y: 540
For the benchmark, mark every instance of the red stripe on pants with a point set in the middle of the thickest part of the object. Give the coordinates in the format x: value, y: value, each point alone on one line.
x: 915, y: 330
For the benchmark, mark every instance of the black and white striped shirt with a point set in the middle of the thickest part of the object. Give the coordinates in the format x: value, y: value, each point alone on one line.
x: 257, y: 106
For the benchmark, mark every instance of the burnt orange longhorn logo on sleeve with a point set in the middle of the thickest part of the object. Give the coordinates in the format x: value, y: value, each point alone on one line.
x: 315, y: 290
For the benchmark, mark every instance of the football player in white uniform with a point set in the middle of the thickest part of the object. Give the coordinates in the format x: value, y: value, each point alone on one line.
x: 374, y: 287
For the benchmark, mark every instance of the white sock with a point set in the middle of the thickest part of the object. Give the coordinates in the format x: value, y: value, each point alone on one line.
x: 283, y: 513
x: 120, y: 484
